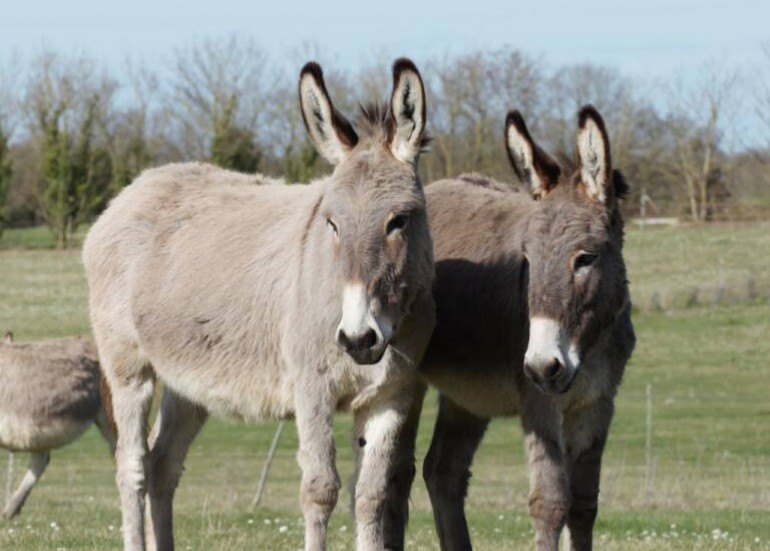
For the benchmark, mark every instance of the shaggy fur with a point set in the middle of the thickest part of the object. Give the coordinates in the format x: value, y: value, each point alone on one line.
x: 231, y: 294
x: 49, y: 396
x: 502, y: 260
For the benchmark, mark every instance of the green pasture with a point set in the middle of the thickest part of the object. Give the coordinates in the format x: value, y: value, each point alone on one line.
x: 705, y: 487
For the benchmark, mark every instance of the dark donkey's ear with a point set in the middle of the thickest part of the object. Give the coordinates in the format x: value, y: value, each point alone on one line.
x: 534, y: 167
x: 593, y: 147
x: 9, y: 337
x: 332, y: 134
x: 407, y: 109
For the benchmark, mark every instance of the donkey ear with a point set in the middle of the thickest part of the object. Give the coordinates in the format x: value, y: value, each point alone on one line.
x: 532, y: 165
x: 593, y: 147
x: 331, y: 133
x: 407, y: 108
x: 8, y: 337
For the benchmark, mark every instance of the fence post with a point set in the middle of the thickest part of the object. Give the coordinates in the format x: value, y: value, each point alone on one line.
x: 9, y: 479
x: 648, y: 448
x: 266, y: 466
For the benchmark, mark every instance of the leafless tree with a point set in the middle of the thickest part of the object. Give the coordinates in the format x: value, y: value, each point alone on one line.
x: 699, y: 115
x: 216, y: 95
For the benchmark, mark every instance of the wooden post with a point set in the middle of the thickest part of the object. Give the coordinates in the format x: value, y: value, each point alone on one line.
x: 648, y: 448
x: 266, y: 466
x: 9, y: 479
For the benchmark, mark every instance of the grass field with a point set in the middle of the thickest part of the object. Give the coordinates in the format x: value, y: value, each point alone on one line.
x: 710, y: 484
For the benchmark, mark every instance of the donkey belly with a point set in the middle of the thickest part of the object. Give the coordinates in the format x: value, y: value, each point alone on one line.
x: 23, y: 433
x: 248, y: 392
x: 486, y: 392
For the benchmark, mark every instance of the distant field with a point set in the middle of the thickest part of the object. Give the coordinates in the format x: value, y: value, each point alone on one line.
x: 707, y: 365
x: 676, y: 262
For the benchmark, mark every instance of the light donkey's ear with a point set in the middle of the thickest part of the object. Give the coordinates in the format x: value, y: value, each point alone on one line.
x: 593, y: 146
x: 331, y: 133
x: 534, y: 167
x: 407, y: 109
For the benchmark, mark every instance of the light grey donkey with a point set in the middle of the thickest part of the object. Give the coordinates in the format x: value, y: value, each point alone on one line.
x: 49, y: 396
x: 533, y: 319
x: 270, y: 301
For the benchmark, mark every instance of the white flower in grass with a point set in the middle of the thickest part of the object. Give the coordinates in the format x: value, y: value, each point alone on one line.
x: 283, y: 529
x: 500, y: 517
x: 250, y: 521
x: 11, y: 531
x: 267, y: 521
x: 343, y: 528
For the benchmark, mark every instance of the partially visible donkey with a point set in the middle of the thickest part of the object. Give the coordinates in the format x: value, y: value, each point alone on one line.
x: 49, y: 396
x: 533, y: 318
x: 270, y: 301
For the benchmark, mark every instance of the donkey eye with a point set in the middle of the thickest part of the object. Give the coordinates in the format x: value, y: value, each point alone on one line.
x: 397, y: 223
x: 331, y: 225
x: 585, y: 260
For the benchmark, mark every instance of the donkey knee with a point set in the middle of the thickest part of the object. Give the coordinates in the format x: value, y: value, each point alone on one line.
x: 548, y: 514
x: 581, y: 518
x: 443, y: 480
x: 131, y: 474
x: 320, y: 493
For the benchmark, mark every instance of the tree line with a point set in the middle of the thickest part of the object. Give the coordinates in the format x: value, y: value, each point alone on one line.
x: 73, y: 132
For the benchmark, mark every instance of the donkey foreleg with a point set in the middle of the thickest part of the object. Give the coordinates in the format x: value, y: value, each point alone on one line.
x: 320, y: 484
x: 446, y: 471
x: 585, y: 433
x: 380, y: 428
x: 37, y: 463
x: 549, y: 494
x: 177, y: 424
x: 402, y: 473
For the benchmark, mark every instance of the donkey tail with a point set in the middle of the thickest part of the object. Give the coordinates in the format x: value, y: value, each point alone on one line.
x: 105, y: 419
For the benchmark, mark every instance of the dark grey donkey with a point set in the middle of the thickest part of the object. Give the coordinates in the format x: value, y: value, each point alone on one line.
x: 49, y: 396
x: 533, y: 319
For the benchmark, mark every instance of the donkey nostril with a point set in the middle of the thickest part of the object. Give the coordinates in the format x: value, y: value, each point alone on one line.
x: 368, y: 340
x: 358, y: 342
x: 553, y: 370
x: 343, y: 341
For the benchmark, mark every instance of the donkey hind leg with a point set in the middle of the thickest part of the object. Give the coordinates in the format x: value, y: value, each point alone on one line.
x: 176, y: 426
x: 38, y: 461
x: 381, y: 425
x: 320, y: 483
x: 585, y: 433
x: 447, y: 471
x: 549, y: 495
x: 132, y: 384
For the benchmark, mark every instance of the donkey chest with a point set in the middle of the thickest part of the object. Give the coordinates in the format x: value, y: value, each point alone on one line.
x: 487, y: 391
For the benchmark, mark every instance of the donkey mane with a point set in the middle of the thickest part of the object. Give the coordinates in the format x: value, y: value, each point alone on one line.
x: 374, y: 121
x: 479, y: 180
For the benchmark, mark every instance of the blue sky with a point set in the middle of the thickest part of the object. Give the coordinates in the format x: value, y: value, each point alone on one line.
x: 649, y: 37
x: 643, y: 38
